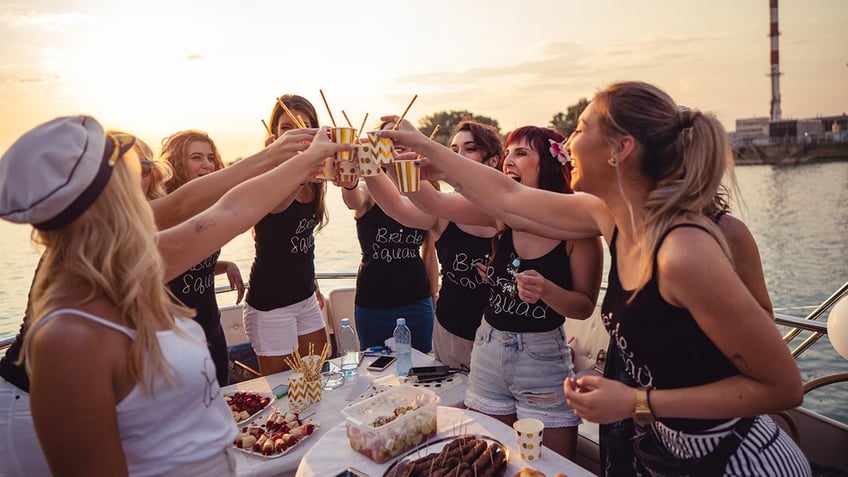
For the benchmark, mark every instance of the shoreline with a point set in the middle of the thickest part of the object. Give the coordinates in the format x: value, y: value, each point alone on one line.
x: 790, y: 154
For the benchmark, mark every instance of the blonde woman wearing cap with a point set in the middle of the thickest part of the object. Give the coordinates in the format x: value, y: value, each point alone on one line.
x: 121, y: 383
x: 192, y: 154
x: 707, y: 378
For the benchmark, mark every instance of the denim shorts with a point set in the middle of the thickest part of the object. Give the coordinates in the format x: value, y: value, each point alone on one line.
x: 521, y: 373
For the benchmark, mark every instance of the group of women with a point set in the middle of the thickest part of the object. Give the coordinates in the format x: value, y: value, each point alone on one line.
x: 695, y: 358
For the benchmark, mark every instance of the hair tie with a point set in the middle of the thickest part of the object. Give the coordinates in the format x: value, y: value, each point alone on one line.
x: 686, y: 117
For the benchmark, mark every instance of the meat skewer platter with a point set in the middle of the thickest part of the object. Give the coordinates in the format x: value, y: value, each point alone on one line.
x: 275, y: 435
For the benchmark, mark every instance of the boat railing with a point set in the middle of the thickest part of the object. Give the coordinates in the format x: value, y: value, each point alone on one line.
x: 796, y: 324
x: 810, y: 323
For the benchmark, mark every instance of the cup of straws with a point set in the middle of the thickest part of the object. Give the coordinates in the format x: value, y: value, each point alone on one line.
x: 305, y: 382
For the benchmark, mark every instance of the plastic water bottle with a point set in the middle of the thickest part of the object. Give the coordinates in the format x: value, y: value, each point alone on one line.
x: 348, y: 349
x: 403, y: 343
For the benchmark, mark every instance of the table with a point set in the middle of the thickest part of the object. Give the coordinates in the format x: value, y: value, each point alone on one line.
x: 328, y: 410
x: 332, y: 453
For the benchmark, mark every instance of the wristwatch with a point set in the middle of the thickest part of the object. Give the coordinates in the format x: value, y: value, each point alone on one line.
x: 642, y: 414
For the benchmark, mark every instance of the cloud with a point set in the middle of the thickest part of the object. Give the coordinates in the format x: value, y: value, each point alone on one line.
x: 194, y: 57
x: 48, y: 20
x: 23, y: 79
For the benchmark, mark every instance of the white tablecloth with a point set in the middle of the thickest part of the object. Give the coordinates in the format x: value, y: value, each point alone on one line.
x: 327, y: 412
x: 332, y: 453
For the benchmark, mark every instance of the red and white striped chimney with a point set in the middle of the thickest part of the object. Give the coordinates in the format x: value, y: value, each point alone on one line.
x: 775, y: 63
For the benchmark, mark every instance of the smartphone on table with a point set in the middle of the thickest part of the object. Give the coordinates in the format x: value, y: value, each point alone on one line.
x: 381, y: 363
x: 430, y: 372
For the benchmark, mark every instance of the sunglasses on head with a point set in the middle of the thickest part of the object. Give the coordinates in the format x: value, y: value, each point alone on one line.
x: 146, y: 167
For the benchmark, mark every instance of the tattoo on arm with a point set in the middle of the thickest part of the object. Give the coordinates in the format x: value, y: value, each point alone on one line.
x: 740, y: 363
x: 202, y: 224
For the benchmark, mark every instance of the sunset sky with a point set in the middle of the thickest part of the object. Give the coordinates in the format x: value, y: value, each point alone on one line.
x: 154, y: 67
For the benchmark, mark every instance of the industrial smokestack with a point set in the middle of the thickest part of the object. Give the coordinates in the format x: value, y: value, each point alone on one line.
x: 775, y: 63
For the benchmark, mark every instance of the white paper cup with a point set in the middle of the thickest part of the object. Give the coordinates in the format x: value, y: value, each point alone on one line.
x: 382, y: 149
x: 528, y: 434
x: 346, y: 171
x: 298, y: 393
x: 328, y: 169
x: 343, y: 135
x: 408, y: 176
x: 368, y: 164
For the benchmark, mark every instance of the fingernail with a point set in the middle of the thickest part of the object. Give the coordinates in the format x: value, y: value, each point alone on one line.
x: 417, y: 163
x: 378, y: 133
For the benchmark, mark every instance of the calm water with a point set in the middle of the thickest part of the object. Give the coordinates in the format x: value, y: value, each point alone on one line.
x: 798, y: 214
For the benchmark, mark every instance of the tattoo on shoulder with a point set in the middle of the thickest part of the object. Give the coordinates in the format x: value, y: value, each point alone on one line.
x: 202, y: 224
x: 740, y: 363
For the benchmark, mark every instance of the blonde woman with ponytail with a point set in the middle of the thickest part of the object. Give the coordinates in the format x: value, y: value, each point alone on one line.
x: 120, y: 379
x: 705, y: 358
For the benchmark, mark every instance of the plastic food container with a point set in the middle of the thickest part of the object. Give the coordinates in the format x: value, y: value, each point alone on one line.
x: 383, y: 426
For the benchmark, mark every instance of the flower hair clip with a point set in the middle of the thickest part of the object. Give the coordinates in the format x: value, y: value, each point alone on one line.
x: 559, y: 152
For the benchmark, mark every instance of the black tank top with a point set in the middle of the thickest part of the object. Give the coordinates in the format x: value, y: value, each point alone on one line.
x: 283, y: 270
x: 506, y: 311
x: 463, y: 295
x: 392, y: 273
x: 195, y: 288
x: 660, y: 345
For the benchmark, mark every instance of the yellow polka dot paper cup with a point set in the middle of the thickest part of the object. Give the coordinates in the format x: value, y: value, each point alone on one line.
x: 528, y: 433
x: 368, y: 165
x: 347, y: 171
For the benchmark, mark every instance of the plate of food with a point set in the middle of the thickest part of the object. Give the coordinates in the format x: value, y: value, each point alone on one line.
x: 246, y: 405
x: 480, y: 455
x: 281, y: 432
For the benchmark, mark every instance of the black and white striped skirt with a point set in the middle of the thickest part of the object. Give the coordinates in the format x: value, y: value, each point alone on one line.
x: 766, y: 450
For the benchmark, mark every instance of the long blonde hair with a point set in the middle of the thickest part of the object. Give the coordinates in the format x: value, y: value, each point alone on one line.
x: 685, y: 154
x: 160, y: 171
x: 110, y: 251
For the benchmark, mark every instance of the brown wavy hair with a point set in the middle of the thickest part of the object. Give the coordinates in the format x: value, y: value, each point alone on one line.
x: 319, y: 189
x: 175, y: 152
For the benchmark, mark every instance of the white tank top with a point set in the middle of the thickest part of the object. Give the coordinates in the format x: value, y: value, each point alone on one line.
x: 176, y: 425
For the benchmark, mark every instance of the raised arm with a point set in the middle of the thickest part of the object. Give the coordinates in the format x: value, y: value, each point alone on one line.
x: 199, y: 194
x: 450, y: 206
x: 581, y: 214
x: 240, y: 208
x: 398, y: 207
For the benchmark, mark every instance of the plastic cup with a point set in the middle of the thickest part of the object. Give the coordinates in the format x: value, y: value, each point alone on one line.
x: 368, y: 165
x: 528, y: 434
x: 382, y: 148
x: 343, y: 135
x: 408, y: 175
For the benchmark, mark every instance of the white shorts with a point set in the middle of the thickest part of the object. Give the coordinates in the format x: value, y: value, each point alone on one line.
x: 275, y: 332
